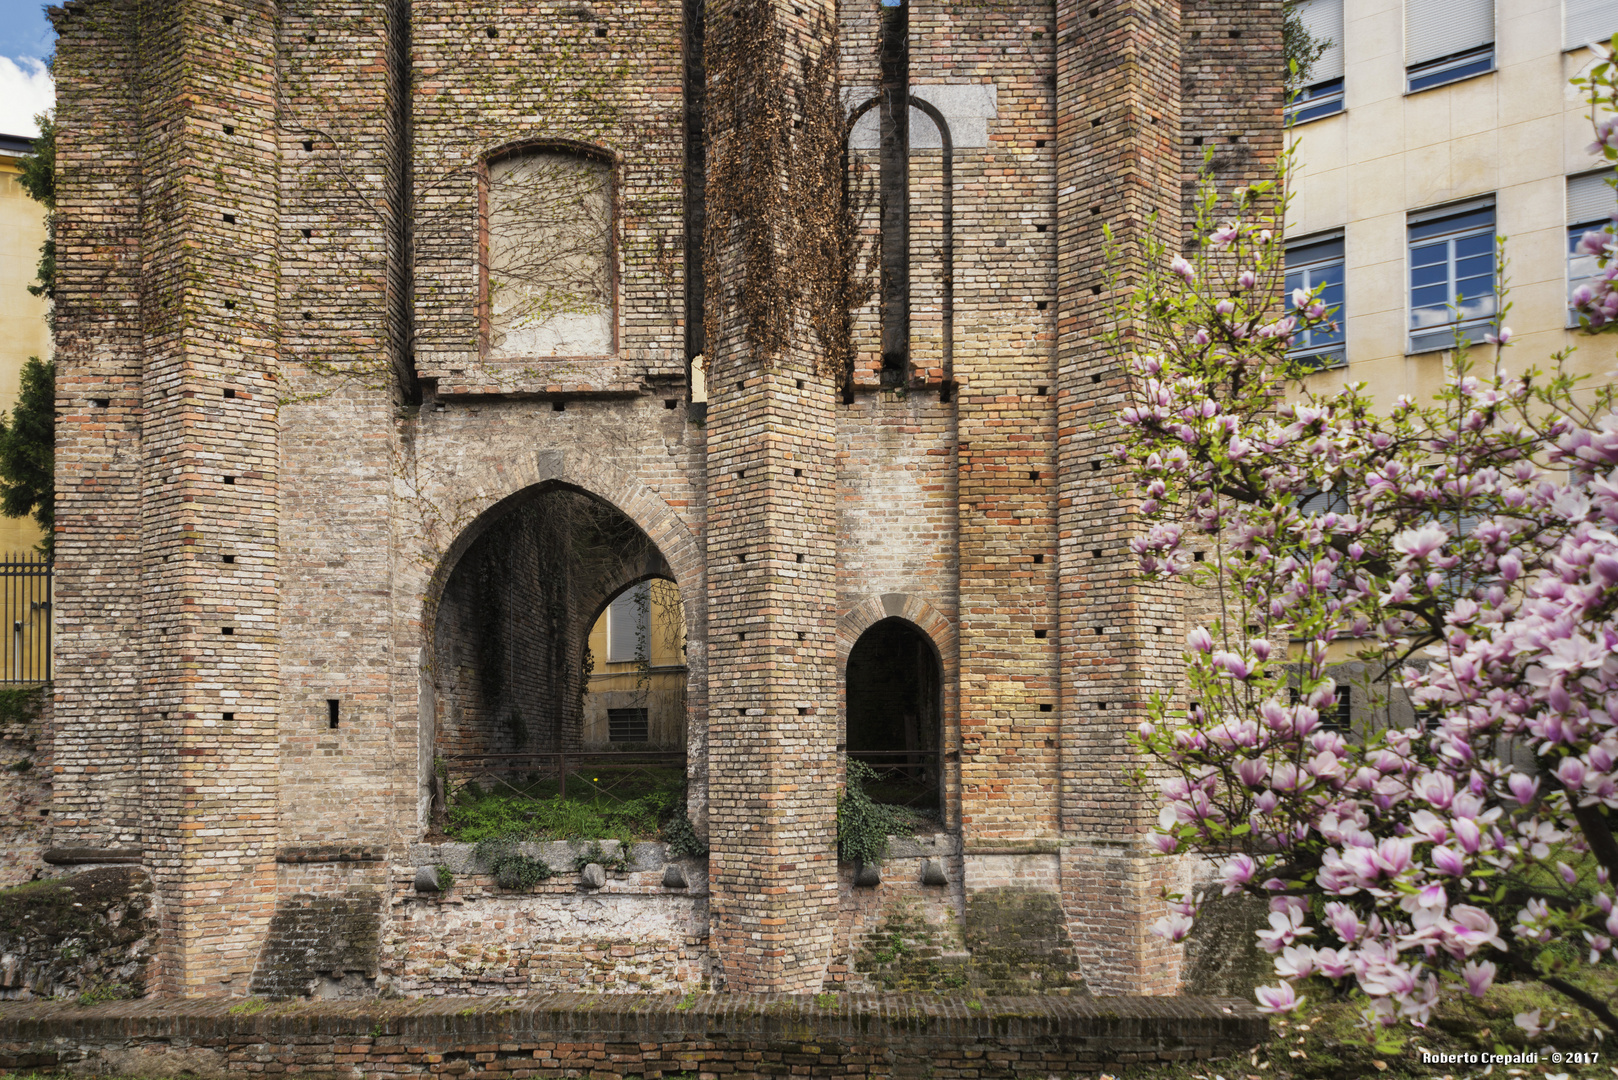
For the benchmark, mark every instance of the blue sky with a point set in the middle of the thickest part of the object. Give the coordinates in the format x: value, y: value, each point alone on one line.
x: 26, y: 38
x: 24, y: 30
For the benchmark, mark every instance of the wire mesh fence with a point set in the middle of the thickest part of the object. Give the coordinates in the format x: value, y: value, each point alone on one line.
x: 25, y: 592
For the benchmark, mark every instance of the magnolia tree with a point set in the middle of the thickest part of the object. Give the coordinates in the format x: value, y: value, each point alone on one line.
x: 1467, y: 554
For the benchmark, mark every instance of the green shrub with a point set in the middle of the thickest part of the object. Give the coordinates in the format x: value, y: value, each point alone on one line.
x: 863, y: 826
x: 511, y: 869
x: 681, y: 836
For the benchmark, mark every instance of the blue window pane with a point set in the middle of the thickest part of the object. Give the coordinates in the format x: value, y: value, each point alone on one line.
x: 1433, y: 274
x: 1456, y: 223
x: 1474, y: 245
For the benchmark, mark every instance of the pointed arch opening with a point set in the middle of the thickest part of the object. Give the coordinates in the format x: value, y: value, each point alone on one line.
x: 529, y: 676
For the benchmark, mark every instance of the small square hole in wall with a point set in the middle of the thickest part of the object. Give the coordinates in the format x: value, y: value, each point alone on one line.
x: 491, y: 32
x: 230, y: 393
x: 1041, y: 391
x: 227, y: 558
x: 1095, y: 378
x: 799, y: 557
x: 1233, y: 138
x: 308, y: 316
x: 742, y: 636
x: 797, y: 472
x: 669, y: 403
x: 741, y: 558
x: 333, y: 711
x: 101, y: 402
x: 230, y: 20
x: 1041, y: 305
x: 227, y: 629
x: 310, y: 38
x: 1096, y: 122
x: 308, y: 233
x: 1235, y: 33
x: 227, y: 716
x: 1033, y: 474
x: 230, y: 129
x: 1095, y: 466
x: 1039, y: 635
x: 739, y: 385
x: 227, y: 479
x: 308, y: 144
x: 802, y: 711
x: 1045, y: 706
x: 1038, y: 559
x: 741, y: 474
x: 1041, y: 228
x: 1039, y: 144
x: 1095, y: 211
x: 802, y: 635
x: 601, y: 31
x: 1095, y: 553
x: 1197, y: 141
x: 1095, y: 12
x: 800, y: 384
x: 1102, y: 705
x: 1098, y: 630
x: 558, y: 406
x: 230, y: 305
x: 1196, y: 556
x: 230, y: 219
x: 1095, y: 290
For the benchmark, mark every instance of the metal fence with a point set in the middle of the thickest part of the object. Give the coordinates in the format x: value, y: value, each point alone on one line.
x: 25, y: 590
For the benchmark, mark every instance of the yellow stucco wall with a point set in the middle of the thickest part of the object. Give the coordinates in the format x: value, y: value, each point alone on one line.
x: 658, y: 686
x: 23, y: 330
x: 1516, y: 133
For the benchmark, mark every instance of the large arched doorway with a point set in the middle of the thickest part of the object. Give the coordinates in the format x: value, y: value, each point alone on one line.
x: 517, y: 675
x: 895, y: 714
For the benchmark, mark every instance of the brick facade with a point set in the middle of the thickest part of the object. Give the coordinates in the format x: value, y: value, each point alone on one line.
x: 284, y: 443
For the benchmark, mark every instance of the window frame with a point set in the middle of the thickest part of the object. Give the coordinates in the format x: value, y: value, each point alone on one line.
x: 642, y: 651
x: 1308, y: 355
x: 517, y: 148
x: 1426, y: 340
x: 1446, y: 70
x: 1316, y: 102
x: 644, y: 719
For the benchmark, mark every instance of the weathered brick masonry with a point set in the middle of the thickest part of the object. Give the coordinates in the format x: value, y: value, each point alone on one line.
x: 739, y: 1035
x: 286, y: 417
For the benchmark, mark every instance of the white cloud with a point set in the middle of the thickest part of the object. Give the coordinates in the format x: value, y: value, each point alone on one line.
x: 26, y: 88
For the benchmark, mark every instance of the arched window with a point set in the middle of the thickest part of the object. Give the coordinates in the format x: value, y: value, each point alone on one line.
x: 895, y: 712
x: 549, y: 255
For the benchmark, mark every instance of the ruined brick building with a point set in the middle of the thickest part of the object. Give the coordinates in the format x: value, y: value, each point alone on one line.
x: 397, y: 339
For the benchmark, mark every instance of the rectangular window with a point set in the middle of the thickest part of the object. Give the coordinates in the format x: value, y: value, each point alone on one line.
x: 1339, y: 715
x: 1588, y: 21
x: 1590, y: 205
x: 629, y: 625
x: 1323, y: 19
x: 1313, y: 262
x: 1451, y: 274
x: 627, y: 725
x: 1447, y: 40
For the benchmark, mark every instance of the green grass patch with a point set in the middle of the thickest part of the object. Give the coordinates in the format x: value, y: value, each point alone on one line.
x: 601, y: 804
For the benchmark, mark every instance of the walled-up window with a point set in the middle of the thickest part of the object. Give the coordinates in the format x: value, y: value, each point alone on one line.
x: 894, y: 709
x: 550, y: 262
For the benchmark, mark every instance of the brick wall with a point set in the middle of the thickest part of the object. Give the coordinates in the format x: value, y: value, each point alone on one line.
x: 744, y: 1036
x: 323, y: 350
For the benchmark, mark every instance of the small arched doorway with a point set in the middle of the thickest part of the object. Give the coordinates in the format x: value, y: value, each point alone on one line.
x: 894, y: 711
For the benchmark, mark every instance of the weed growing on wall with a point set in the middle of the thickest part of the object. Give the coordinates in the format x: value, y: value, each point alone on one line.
x: 863, y: 826
x: 501, y: 858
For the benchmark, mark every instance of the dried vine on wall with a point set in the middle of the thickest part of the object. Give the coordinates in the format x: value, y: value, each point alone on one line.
x: 780, y: 191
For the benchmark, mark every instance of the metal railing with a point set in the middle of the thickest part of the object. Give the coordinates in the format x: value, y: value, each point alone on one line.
x: 617, y: 774
x: 912, y: 778
x: 25, y: 592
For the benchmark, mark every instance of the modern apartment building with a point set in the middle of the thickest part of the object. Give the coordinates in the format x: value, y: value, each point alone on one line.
x: 1430, y: 127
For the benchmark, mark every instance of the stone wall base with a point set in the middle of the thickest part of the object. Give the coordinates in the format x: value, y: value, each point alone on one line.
x: 608, y: 1036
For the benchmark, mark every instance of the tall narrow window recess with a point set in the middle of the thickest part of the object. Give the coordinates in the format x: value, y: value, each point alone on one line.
x: 1451, y: 274
x: 1588, y: 22
x: 1317, y: 262
x: 895, y: 714
x: 1323, y: 95
x: 1446, y: 41
x: 549, y: 248
x: 1590, y: 204
x: 894, y: 175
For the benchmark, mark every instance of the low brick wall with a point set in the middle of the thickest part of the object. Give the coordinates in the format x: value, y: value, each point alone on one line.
x: 613, y: 1035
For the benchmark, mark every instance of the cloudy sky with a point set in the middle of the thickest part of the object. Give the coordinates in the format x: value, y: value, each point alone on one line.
x: 26, y: 39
